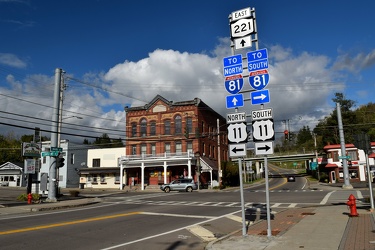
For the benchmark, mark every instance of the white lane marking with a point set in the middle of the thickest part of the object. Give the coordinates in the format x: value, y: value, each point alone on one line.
x: 276, y: 205
x: 231, y: 204
x: 169, y: 232
x: 325, y: 199
x: 179, y: 215
x: 292, y: 205
x: 235, y: 218
x: 359, y: 194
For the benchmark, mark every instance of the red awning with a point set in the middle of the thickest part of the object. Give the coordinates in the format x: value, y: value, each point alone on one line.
x: 372, y: 155
x: 331, y: 165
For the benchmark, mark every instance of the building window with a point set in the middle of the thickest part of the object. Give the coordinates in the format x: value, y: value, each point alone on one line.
x: 189, y: 125
x: 96, y: 163
x: 153, y: 128
x: 153, y: 149
x: 143, y: 149
x: 134, y: 149
x: 134, y: 129
x: 72, y: 158
x: 167, y: 127
x: 353, y: 155
x: 177, y: 125
x: 178, y: 148
x: 167, y: 148
x: 335, y: 156
x: 143, y: 127
x: 189, y: 146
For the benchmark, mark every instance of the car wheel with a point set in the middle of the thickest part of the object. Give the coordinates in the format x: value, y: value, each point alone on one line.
x: 167, y: 189
x: 189, y: 189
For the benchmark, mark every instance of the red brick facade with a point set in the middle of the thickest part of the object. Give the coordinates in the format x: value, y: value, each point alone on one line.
x: 192, y: 124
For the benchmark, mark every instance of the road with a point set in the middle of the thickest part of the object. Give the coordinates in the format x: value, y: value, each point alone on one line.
x: 155, y: 220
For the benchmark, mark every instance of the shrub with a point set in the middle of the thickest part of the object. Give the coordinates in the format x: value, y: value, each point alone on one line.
x: 23, y: 197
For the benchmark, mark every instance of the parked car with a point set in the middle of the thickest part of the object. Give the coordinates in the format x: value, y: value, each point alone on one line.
x: 291, y: 178
x: 4, y: 183
x: 187, y: 185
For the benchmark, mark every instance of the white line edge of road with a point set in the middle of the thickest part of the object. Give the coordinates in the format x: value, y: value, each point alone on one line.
x: 325, y: 199
x: 169, y: 232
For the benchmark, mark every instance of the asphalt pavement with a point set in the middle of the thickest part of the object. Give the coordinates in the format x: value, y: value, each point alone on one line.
x: 325, y: 226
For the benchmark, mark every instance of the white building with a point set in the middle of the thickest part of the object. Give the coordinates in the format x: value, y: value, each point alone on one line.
x: 102, y: 170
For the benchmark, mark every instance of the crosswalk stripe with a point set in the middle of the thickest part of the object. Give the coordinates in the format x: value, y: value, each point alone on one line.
x: 202, y: 233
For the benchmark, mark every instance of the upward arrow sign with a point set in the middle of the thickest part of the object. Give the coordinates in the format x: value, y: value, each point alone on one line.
x: 234, y: 101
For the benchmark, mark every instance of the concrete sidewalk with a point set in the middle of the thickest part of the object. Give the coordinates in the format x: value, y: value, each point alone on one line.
x: 325, y: 227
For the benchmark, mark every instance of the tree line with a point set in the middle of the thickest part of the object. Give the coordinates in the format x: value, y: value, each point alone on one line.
x: 11, y: 145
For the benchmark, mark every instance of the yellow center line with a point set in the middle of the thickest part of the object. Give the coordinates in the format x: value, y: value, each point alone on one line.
x: 21, y: 230
x: 284, y: 179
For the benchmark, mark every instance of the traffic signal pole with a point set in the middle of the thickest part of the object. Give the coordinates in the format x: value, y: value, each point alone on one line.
x: 54, y: 137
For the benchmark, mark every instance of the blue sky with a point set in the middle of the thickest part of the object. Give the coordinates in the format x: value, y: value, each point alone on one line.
x: 117, y: 53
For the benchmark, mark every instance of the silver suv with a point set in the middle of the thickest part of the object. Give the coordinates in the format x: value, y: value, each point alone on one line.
x: 187, y: 185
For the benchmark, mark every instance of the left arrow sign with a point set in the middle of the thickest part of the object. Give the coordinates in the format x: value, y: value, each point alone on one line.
x: 237, y: 150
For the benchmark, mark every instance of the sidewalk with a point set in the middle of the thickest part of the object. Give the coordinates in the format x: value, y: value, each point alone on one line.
x: 325, y: 227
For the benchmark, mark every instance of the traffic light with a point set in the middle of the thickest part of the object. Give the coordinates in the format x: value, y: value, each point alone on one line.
x: 286, y: 134
x: 60, y: 162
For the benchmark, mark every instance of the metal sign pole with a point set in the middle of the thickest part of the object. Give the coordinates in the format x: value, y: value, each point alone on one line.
x: 244, y: 233
x: 269, y: 234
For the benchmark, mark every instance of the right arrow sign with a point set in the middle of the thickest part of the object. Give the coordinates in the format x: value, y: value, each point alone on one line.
x: 264, y: 148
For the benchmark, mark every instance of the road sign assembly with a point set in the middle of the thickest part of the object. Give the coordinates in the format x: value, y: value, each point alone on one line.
x: 233, y: 84
x: 237, y: 150
x: 237, y: 132
x: 235, y: 101
x: 260, y: 97
x: 264, y: 148
x: 259, y: 79
x: 233, y: 65
x: 236, y: 117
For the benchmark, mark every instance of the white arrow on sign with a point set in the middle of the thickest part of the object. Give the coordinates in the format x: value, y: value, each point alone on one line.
x: 263, y: 130
x: 237, y: 132
x: 260, y: 97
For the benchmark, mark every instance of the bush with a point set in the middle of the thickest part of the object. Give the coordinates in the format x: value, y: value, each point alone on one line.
x: 23, y: 197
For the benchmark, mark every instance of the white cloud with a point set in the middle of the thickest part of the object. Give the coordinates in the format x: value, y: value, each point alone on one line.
x: 300, y: 86
x: 12, y: 60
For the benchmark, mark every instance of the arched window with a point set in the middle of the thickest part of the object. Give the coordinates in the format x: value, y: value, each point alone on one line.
x: 177, y: 125
x: 143, y: 127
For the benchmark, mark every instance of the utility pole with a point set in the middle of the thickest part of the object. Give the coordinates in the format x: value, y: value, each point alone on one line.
x: 62, y: 88
x: 218, y: 153
x: 347, y: 184
x: 54, y: 136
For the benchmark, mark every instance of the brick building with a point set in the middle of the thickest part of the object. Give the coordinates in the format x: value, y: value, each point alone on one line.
x: 166, y: 140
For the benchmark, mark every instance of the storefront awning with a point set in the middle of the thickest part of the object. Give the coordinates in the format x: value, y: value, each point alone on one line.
x: 103, y: 170
x: 331, y: 165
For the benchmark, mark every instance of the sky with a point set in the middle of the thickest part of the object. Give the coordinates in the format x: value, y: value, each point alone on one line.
x: 117, y: 53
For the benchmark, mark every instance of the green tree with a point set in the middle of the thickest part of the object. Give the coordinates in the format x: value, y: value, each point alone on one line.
x: 305, y: 138
x: 327, y: 129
